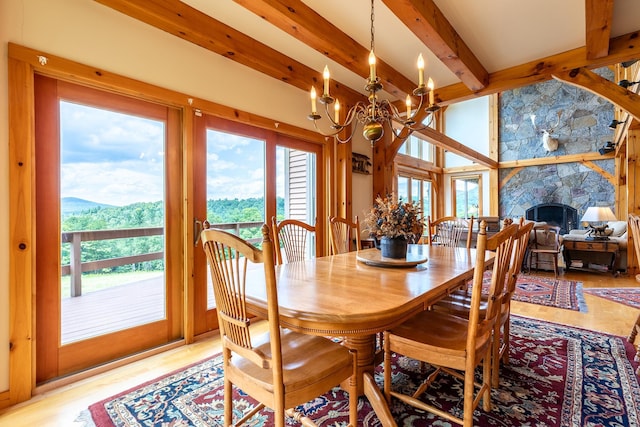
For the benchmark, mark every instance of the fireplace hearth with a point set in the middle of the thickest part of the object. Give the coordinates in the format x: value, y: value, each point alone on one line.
x: 555, y: 214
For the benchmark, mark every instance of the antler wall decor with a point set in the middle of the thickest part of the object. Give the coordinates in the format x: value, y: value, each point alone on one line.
x: 548, y: 143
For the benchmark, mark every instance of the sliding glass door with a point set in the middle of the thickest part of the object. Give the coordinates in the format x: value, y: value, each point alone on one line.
x: 106, y: 282
x: 244, y: 176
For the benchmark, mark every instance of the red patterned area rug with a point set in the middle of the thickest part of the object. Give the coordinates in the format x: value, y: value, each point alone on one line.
x: 626, y: 296
x: 548, y: 291
x: 557, y: 376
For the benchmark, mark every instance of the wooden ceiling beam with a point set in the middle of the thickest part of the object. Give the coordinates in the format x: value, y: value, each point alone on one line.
x: 305, y: 24
x: 443, y: 141
x: 190, y: 24
x: 430, y: 25
x: 592, y: 82
x: 622, y: 48
x: 598, y: 17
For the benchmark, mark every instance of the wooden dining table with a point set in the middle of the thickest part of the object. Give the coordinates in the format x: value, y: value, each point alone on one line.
x: 358, y: 294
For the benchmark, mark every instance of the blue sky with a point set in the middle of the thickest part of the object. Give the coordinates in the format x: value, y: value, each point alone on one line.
x: 118, y: 159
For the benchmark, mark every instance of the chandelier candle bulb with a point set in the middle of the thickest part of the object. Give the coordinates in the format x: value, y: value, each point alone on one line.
x: 430, y: 85
x: 313, y: 100
x: 325, y: 76
x: 420, y: 70
x: 372, y: 67
x: 408, y: 103
x: 337, y: 111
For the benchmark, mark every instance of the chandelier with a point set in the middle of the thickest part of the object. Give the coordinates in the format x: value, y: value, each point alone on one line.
x: 376, y: 114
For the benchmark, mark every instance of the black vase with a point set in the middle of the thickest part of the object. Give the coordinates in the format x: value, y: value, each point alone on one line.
x: 393, y: 247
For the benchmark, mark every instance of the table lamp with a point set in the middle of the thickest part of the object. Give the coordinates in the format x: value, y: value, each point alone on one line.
x: 598, y: 215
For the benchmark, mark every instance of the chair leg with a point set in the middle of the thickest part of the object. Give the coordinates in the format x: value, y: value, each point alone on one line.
x: 387, y: 369
x: 228, y: 403
x: 486, y: 383
x: 467, y: 418
x: 505, y: 337
x: 495, y: 356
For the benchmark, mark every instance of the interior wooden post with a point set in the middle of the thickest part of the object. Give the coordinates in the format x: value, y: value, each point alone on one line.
x: 633, y: 202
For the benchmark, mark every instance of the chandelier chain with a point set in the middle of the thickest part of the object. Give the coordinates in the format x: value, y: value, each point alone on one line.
x: 372, y: 28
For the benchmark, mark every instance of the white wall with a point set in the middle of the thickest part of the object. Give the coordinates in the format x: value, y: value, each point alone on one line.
x: 468, y: 123
x: 92, y: 34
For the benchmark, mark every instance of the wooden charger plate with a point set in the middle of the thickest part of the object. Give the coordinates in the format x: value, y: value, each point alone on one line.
x: 374, y: 258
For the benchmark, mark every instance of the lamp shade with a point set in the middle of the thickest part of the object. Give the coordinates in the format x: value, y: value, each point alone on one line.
x: 598, y: 214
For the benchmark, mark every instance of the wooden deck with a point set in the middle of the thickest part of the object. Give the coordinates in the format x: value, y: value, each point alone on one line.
x: 113, y: 309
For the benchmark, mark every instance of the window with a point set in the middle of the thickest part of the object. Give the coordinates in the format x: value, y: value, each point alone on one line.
x: 467, y: 201
x: 416, y: 147
x: 418, y: 190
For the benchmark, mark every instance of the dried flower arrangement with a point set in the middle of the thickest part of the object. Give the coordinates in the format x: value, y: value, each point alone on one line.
x: 390, y: 217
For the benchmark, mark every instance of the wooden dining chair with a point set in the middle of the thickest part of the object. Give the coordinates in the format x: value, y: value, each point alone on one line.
x: 459, y: 303
x: 344, y: 235
x: 292, y: 237
x: 448, y: 231
x: 453, y: 344
x: 281, y: 369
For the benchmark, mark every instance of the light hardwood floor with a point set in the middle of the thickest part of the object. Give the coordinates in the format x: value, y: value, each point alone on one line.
x: 61, y: 407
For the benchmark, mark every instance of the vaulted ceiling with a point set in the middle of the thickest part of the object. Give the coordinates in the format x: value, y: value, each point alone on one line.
x: 471, y: 48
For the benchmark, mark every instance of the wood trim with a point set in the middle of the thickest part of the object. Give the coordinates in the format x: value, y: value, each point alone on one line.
x: 48, y: 232
x: 633, y: 202
x: 494, y: 154
x: 604, y: 173
x: 75, y: 72
x: 551, y: 160
x: 189, y: 209
x: 177, y: 244
x: 21, y: 232
x: 510, y: 175
x: 410, y: 162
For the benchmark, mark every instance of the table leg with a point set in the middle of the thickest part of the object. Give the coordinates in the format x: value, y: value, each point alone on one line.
x: 366, y: 384
x: 365, y: 354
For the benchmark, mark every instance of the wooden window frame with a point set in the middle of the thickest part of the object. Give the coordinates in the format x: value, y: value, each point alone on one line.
x: 455, y: 178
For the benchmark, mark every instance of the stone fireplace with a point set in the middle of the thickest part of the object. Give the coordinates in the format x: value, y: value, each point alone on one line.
x: 563, y: 189
x: 555, y: 214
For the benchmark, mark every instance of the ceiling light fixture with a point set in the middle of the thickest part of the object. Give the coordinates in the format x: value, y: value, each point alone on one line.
x: 626, y: 83
x: 375, y: 114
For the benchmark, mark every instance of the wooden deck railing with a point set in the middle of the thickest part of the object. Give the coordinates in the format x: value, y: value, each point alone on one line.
x: 76, y: 267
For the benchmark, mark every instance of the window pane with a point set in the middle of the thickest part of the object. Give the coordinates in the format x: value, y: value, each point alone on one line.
x: 235, y: 187
x: 403, y: 188
x: 296, y: 177
x: 112, y: 184
x: 467, y: 197
x: 426, y: 198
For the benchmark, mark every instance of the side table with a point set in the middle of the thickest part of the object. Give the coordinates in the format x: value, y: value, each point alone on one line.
x: 582, y: 255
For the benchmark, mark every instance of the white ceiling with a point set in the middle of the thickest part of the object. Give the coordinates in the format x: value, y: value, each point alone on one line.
x: 501, y: 33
